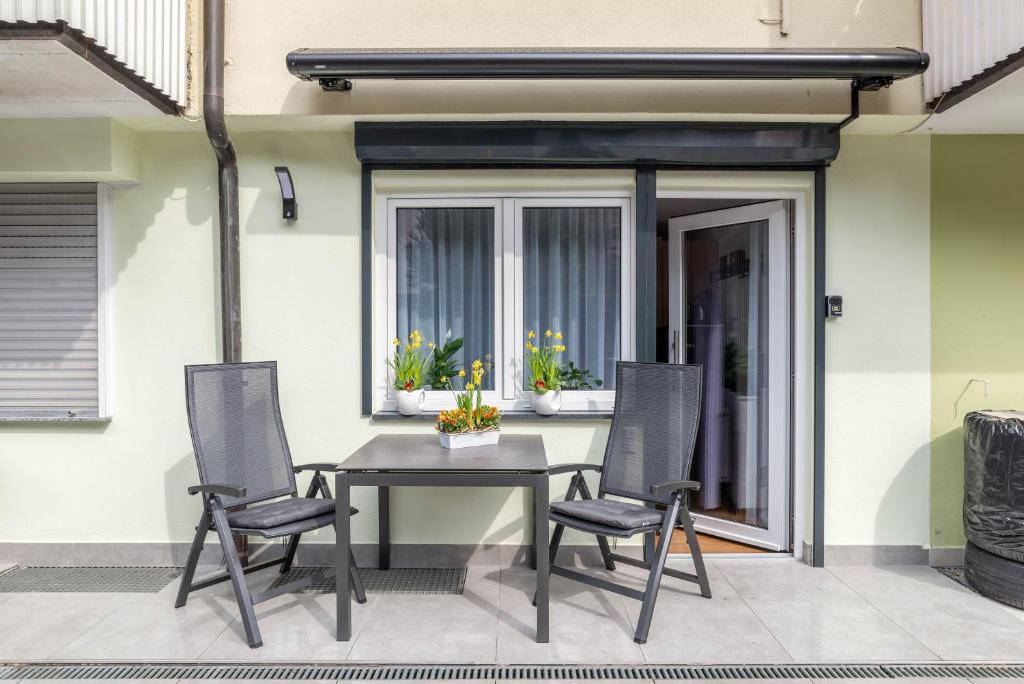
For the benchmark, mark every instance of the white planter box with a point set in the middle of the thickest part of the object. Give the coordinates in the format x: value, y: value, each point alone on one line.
x: 469, y: 439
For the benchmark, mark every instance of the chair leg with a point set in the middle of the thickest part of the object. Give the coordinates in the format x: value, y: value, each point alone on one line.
x: 695, y: 554
x: 234, y: 566
x: 357, y: 581
x: 643, y: 625
x: 602, y: 541
x: 289, y: 553
x: 193, y: 559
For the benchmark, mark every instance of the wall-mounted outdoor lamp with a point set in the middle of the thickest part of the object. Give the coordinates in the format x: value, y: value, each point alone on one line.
x: 290, y: 209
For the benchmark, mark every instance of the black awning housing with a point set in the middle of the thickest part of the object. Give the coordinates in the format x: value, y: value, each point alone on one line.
x: 871, y: 68
x: 529, y: 143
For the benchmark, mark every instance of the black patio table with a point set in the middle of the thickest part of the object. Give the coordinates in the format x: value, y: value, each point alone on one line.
x: 420, y: 461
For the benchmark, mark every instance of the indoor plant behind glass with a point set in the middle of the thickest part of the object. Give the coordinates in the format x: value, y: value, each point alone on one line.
x: 471, y: 422
x: 409, y: 365
x: 545, y: 371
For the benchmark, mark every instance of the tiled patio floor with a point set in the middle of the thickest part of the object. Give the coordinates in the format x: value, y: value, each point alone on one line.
x: 763, y: 611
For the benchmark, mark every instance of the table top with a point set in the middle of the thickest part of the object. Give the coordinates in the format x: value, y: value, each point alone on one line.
x: 423, y: 453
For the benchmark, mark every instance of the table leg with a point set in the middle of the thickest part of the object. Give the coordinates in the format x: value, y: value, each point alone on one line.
x: 342, y: 546
x: 384, y: 528
x: 531, y: 554
x: 540, y: 552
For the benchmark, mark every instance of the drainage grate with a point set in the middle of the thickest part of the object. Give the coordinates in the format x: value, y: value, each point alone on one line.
x: 94, y: 580
x: 956, y: 574
x: 509, y: 672
x: 394, y: 581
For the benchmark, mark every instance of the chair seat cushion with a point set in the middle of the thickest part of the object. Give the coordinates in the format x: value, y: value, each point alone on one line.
x: 277, y: 513
x: 620, y: 514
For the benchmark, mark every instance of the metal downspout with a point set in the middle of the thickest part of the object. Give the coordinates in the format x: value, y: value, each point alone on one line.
x: 227, y: 176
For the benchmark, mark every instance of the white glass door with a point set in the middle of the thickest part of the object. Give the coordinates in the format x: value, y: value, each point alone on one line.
x: 729, y: 312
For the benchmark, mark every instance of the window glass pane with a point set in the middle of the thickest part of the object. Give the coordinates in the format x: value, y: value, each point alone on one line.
x: 445, y: 270
x: 572, y: 279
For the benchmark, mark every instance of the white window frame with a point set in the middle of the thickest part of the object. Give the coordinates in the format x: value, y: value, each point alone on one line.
x: 508, y: 393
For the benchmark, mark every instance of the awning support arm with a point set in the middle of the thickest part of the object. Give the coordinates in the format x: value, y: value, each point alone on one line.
x: 856, y: 86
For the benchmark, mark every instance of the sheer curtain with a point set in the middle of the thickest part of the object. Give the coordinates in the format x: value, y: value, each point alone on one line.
x: 445, y: 273
x: 572, y: 281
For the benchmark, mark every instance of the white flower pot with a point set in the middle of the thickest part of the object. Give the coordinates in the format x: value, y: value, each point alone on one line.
x: 547, y: 403
x: 469, y: 439
x: 410, y: 403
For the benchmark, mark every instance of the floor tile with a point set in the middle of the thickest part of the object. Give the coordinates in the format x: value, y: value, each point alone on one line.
x: 153, y: 632
x: 586, y: 624
x: 294, y: 628
x: 951, y: 620
x: 688, y: 628
x: 36, y: 627
x: 816, y: 617
x: 433, y: 628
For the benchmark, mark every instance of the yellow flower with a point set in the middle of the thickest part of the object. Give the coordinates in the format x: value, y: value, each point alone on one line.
x: 395, y: 342
x: 530, y: 335
x: 444, y: 379
x: 547, y: 333
x: 469, y: 387
x: 430, y: 344
x: 462, y: 373
x: 478, y: 376
x: 478, y: 364
x: 558, y: 335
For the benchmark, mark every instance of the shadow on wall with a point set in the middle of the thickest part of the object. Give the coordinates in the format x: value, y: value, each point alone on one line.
x: 896, y: 505
x: 947, y: 486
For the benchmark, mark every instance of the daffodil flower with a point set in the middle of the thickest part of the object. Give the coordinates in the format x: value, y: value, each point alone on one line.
x: 558, y: 335
x: 462, y: 373
x: 530, y: 335
x: 547, y: 333
x: 395, y: 342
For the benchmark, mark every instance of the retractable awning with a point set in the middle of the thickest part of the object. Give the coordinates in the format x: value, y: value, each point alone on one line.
x: 869, y: 68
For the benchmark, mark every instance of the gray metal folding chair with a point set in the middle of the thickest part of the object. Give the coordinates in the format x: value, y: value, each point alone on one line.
x: 647, y: 458
x: 243, y: 457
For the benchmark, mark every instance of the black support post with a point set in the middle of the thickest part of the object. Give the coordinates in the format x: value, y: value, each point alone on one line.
x: 818, y: 550
x: 646, y: 264
x: 366, y: 284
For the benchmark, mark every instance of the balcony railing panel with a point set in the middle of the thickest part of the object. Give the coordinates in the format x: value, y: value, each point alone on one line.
x: 966, y: 37
x: 147, y: 36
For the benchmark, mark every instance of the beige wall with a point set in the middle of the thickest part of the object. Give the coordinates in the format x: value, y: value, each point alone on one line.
x: 300, y: 302
x: 261, y: 32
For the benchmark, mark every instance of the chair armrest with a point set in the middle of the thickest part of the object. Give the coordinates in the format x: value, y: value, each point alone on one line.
x: 573, y: 468
x: 315, y: 466
x: 223, y: 489
x: 668, y: 487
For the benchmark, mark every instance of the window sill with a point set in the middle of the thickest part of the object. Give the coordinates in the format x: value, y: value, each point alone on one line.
x: 431, y: 416
x: 80, y: 420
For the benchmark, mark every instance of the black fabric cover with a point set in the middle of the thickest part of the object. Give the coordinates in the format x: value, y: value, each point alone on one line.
x: 620, y: 514
x: 994, y: 482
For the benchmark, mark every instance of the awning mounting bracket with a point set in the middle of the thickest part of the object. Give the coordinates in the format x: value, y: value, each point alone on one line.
x: 856, y: 86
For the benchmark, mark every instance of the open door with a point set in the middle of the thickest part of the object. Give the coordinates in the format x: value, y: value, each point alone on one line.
x: 730, y: 313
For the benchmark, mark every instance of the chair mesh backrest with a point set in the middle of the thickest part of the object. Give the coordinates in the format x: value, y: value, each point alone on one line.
x: 654, y: 429
x: 237, y: 432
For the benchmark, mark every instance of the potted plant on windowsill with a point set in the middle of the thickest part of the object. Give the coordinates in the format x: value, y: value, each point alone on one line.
x: 471, y: 422
x: 545, y: 372
x: 409, y: 365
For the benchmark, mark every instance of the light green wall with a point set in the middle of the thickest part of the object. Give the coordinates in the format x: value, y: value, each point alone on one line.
x: 300, y: 306
x: 977, y: 302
